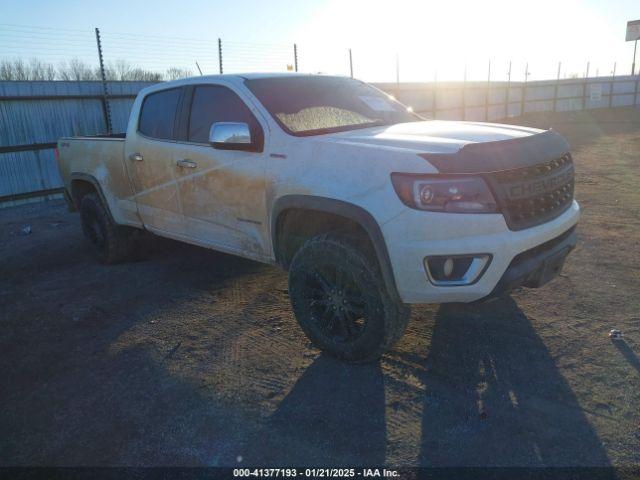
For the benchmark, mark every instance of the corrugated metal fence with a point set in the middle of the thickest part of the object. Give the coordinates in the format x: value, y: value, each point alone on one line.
x: 33, y: 115
x: 483, y: 101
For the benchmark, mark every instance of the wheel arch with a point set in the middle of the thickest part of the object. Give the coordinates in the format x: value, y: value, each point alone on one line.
x: 82, y: 184
x: 339, y: 208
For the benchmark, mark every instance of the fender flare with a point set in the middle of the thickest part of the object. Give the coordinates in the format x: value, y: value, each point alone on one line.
x: 85, y: 177
x: 348, y: 210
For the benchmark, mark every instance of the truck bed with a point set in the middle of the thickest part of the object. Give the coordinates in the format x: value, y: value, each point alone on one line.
x: 99, y: 159
x: 98, y: 136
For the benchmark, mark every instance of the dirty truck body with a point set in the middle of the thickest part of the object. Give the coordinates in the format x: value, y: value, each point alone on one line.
x: 370, y: 207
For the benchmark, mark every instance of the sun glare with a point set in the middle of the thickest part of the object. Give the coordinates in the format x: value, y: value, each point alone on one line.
x: 450, y: 40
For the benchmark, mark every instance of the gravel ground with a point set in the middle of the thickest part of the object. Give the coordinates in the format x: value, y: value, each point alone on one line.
x: 192, y: 357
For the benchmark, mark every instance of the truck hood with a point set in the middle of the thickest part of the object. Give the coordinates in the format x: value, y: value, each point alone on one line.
x: 463, y: 147
x: 435, y: 136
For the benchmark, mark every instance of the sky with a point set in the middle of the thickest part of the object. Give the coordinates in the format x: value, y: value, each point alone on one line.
x: 410, y: 39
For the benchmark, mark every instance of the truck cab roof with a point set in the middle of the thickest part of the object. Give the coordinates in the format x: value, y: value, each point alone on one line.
x: 244, y: 76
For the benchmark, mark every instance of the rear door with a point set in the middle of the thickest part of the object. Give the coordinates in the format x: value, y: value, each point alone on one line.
x: 151, y: 154
x: 222, y: 192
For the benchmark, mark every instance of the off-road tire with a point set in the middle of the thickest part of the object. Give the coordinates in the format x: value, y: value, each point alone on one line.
x: 111, y: 243
x: 384, y: 319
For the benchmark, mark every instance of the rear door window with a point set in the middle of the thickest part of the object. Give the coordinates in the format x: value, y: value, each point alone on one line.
x: 158, y: 114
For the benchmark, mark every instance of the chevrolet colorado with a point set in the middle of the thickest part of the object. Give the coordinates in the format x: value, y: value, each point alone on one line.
x: 368, y: 206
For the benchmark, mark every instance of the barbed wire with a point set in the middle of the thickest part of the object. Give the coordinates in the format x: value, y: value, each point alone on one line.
x: 151, y: 56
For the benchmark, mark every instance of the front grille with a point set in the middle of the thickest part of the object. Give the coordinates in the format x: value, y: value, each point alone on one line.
x: 533, y: 195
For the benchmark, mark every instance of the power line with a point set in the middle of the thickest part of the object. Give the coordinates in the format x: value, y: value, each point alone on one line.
x: 40, y: 27
x: 139, y: 35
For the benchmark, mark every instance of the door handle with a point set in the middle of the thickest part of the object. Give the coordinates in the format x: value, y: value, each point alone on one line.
x: 186, y: 163
x: 136, y: 157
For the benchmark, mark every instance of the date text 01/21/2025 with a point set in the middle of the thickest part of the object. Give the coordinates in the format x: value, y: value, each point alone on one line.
x: 315, y: 473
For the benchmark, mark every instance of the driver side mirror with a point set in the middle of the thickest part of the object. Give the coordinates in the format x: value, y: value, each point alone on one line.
x: 231, y: 136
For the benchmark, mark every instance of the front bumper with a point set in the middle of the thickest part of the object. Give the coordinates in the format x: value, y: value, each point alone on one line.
x: 414, y: 234
x: 537, y: 266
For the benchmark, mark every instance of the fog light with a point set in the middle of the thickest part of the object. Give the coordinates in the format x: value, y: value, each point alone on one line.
x: 447, y: 268
x: 452, y: 270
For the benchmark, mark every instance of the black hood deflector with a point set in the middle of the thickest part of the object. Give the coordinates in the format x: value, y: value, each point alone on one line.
x: 501, y: 155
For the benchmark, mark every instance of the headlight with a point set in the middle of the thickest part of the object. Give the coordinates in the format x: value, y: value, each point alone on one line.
x: 438, y: 193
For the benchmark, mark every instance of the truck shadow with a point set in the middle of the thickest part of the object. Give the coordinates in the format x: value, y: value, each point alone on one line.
x: 334, y: 415
x: 494, y: 395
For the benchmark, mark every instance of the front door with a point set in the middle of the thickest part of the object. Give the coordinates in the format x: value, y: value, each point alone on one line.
x: 151, y: 154
x: 222, y: 192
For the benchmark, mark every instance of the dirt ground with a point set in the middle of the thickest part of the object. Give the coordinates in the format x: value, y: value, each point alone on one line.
x: 192, y: 357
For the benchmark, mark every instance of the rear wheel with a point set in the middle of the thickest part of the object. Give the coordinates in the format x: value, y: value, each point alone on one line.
x: 341, y: 303
x: 111, y: 243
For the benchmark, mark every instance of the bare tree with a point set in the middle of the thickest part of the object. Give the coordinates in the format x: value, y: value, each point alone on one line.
x: 16, y: 69
x: 39, y: 70
x: 6, y: 70
x: 76, y: 69
x: 118, y: 70
x: 20, y: 70
x: 140, y: 74
x: 121, y: 70
x: 174, y: 73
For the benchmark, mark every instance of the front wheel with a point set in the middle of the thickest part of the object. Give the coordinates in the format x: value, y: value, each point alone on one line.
x: 341, y: 303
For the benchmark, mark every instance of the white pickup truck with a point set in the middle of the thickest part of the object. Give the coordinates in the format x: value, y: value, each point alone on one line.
x: 368, y: 206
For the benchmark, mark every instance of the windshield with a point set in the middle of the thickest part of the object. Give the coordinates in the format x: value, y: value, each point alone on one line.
x: 317, y: 105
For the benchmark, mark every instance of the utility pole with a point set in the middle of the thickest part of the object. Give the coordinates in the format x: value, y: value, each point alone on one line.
x: 434, y: 96
x: 486, y: 94
x: 350, y: 64
x: 220, y: 56
x: 524, y: 89
x: 555, y: 89
x: 584, y: 87
x: 295, y: 56
x: 613, y: 82
x: 464, y: 93
x: 105, y: 92
x: 508, y: 94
